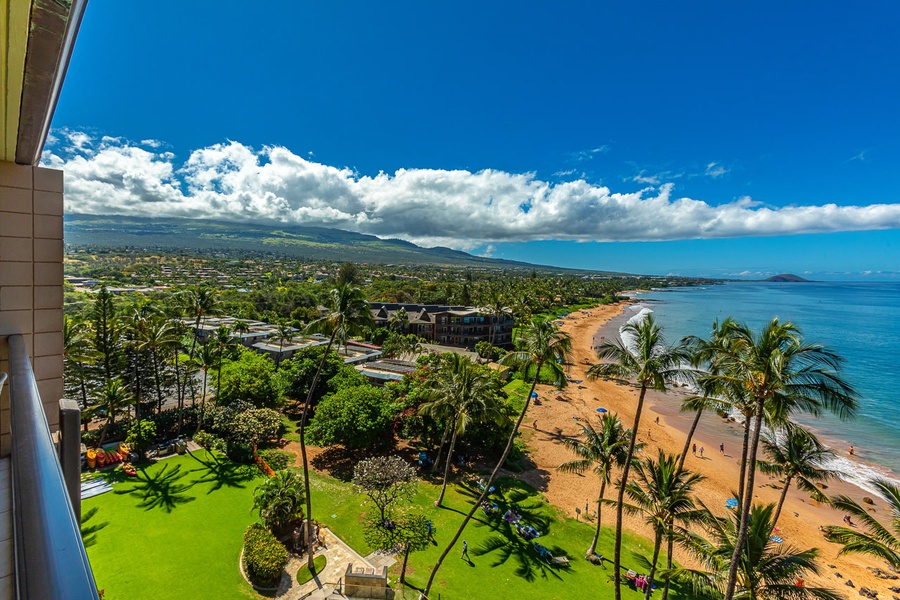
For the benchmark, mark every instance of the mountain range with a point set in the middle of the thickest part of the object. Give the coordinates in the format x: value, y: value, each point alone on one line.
x: 311, y: 243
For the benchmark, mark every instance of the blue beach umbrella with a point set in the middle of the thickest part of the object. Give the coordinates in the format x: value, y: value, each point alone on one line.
x: 602, y: 410
x: 534, y: 394
x: 731, y: 503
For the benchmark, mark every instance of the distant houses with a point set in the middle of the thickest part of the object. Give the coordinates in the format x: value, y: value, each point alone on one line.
x: 461, y: 326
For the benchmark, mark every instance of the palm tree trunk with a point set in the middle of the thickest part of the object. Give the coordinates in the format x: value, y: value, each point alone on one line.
x: 620, y: 501
x: 670, y: 543
x: 202, y: 402
x: 745, y: 506
x: 306, y: 488
x: 159, y: 396
x: 745, y: 448
x: 437, y: 461
x: 440, y: 499
x: 787, y: 484
x: 180, y: 393
x: 593, y: 547
x: 657, y: 544
x: 690, y: 436
x: 487, y: 485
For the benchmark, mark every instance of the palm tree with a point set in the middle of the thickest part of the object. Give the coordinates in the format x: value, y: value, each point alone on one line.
x: 114, y: 397
x: 199, y: 303
x: 643, y: 355
x: 878, y: 540
x: 496, y: 304
x: 466, y: 394
x: 541, y: 346
x: 765, y: 569
x: 348, y: 314
x: 602, y: 450
x: 224, y: 346
x: 663, y: 493
x: 279, y: 500
x: 156, y: 338
x: 796, y: 454
x: 782, y: 374
x: 206, y: 359
x: 283, y: 336
x: 77, y: 353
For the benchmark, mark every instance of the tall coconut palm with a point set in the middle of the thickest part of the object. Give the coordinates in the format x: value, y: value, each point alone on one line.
x: 600, y: 450
x: 283, y: 336
x: 796, y: 454
x: 156, y: 338
x: 644, y: 356
x: 206, y: 359
x: 542, y: 349
x: 663, y: 493
x: 279, y: 500
x: 113, y: 397
x: 496, y: 305
x: 224, y: 347
x: 766, y: 570
x: 465, y: 394
x: 78, y: 354
x: 783, y: 374
x: 878, y: 540
x: 199, y: 303
x: 348, y: 314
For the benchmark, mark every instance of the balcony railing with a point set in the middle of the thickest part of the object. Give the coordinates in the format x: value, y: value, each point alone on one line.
x: 50, y: 560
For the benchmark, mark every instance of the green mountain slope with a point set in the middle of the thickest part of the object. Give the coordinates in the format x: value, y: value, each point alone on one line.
x: 312, y: 243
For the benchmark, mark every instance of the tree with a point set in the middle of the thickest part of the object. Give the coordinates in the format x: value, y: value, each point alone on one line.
x: 463, y: 393
x: 249, y: 378
x: 78, y: 354
x: 663, y: 493
x: 642, y: 354
x: 283, y: 336
x: 199, y: 303
x: 157, y: 337
x: 206, y: 360
x: 348, y: 274
x: 601, y: 450
x: 113, y: 398
x: 357, y: 417
x: 408, y: 532
x: 386, y: 480
x: 279, y: 500
x: 540, y: 346
x: 796, y: 454
x: 782, y: 374
x: 878, y: 540
x: 225, y: 346
x: 141, y: 435
x: 348, y: 314
x: 765, y: 569
x: 107, y: 335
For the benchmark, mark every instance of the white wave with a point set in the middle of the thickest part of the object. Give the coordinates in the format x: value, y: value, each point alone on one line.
x: 860, y: 474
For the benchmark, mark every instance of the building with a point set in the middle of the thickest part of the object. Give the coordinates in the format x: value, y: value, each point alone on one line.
x: 39, y: 490
x: 462, y: 326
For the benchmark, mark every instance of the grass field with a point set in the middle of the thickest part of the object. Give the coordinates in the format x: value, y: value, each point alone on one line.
x: 176, y: 532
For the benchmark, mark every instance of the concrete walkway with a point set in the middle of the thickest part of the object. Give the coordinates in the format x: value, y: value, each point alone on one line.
x: 339, y: 555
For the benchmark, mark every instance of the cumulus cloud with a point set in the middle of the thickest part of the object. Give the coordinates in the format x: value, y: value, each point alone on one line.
x: 457, y: 208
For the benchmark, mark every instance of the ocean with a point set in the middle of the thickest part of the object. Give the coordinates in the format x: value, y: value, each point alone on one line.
x: 857, y: 320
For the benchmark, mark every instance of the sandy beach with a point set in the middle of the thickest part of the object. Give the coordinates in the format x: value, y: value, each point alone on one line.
x: 551, y: 420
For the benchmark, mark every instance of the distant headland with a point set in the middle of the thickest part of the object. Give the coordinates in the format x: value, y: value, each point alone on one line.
x: 787, y: 278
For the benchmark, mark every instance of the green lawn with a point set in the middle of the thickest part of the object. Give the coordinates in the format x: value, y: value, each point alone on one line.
x: 176, y: 533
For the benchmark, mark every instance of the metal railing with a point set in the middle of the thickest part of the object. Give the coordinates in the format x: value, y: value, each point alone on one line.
x: 50, y: 560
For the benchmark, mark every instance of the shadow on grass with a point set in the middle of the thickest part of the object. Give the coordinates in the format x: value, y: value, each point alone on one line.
x: 163, y: 490
x: 223, y: 473
x: 89, y: 531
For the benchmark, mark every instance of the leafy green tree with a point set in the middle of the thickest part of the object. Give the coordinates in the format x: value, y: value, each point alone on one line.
x: 141, y: 436
x: 249, y: 378
x: 540, y: 345
x: 663, y: 493
x: 878, y: 540
x: 796, y: 454
x: 601, y: 450
x: 296, y: 375
x: 356, y: 417
x: 463, y: 394
x: 107, y: 336
x: 279, y: 500
x: 765, y: 569
x: 408, y: 532
x: 348, y: 314
x: 386, y: 480
x: 642, y: 355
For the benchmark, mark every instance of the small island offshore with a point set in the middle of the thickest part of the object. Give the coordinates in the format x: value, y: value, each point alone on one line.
x: 786, y: 278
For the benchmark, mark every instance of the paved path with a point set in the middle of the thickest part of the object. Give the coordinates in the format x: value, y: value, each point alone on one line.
x: 339, y: 555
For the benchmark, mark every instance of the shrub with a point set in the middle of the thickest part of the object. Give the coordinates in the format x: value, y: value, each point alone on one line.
x: 254, y: 426
x: 211, y: 442
x: 356, y: 417
x: 141, y: 435
x: 278, y: 460
x: 264, y: 556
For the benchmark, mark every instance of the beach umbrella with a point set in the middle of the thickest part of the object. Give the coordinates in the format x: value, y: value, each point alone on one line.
x: 602, y: 410
x: 534, y: 394
x: 731, y: 503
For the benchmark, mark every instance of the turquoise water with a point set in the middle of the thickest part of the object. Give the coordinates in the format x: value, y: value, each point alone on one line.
x: 857, y: 320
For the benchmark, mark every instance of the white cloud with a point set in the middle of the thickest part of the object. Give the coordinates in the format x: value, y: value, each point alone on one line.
x: 460, y: 209
x: 715, y: 170
x: 647, y: 179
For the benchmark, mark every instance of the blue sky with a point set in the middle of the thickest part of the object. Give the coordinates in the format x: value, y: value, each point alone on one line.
x: 699, y: 139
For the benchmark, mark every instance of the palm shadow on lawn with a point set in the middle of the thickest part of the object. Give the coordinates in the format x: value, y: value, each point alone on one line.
x: 223, y: 473
x: 163, y: 490
x: 506, y: 544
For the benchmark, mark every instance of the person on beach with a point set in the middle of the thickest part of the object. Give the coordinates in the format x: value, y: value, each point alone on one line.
x: 721, y: 448
x: 694, y: 449
x: 701, y: 451
x: 851, y: 450
x: 657, y: 420
x: 465, y: 552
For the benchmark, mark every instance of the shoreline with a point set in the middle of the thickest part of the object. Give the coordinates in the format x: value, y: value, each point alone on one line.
x: 801, y: 516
